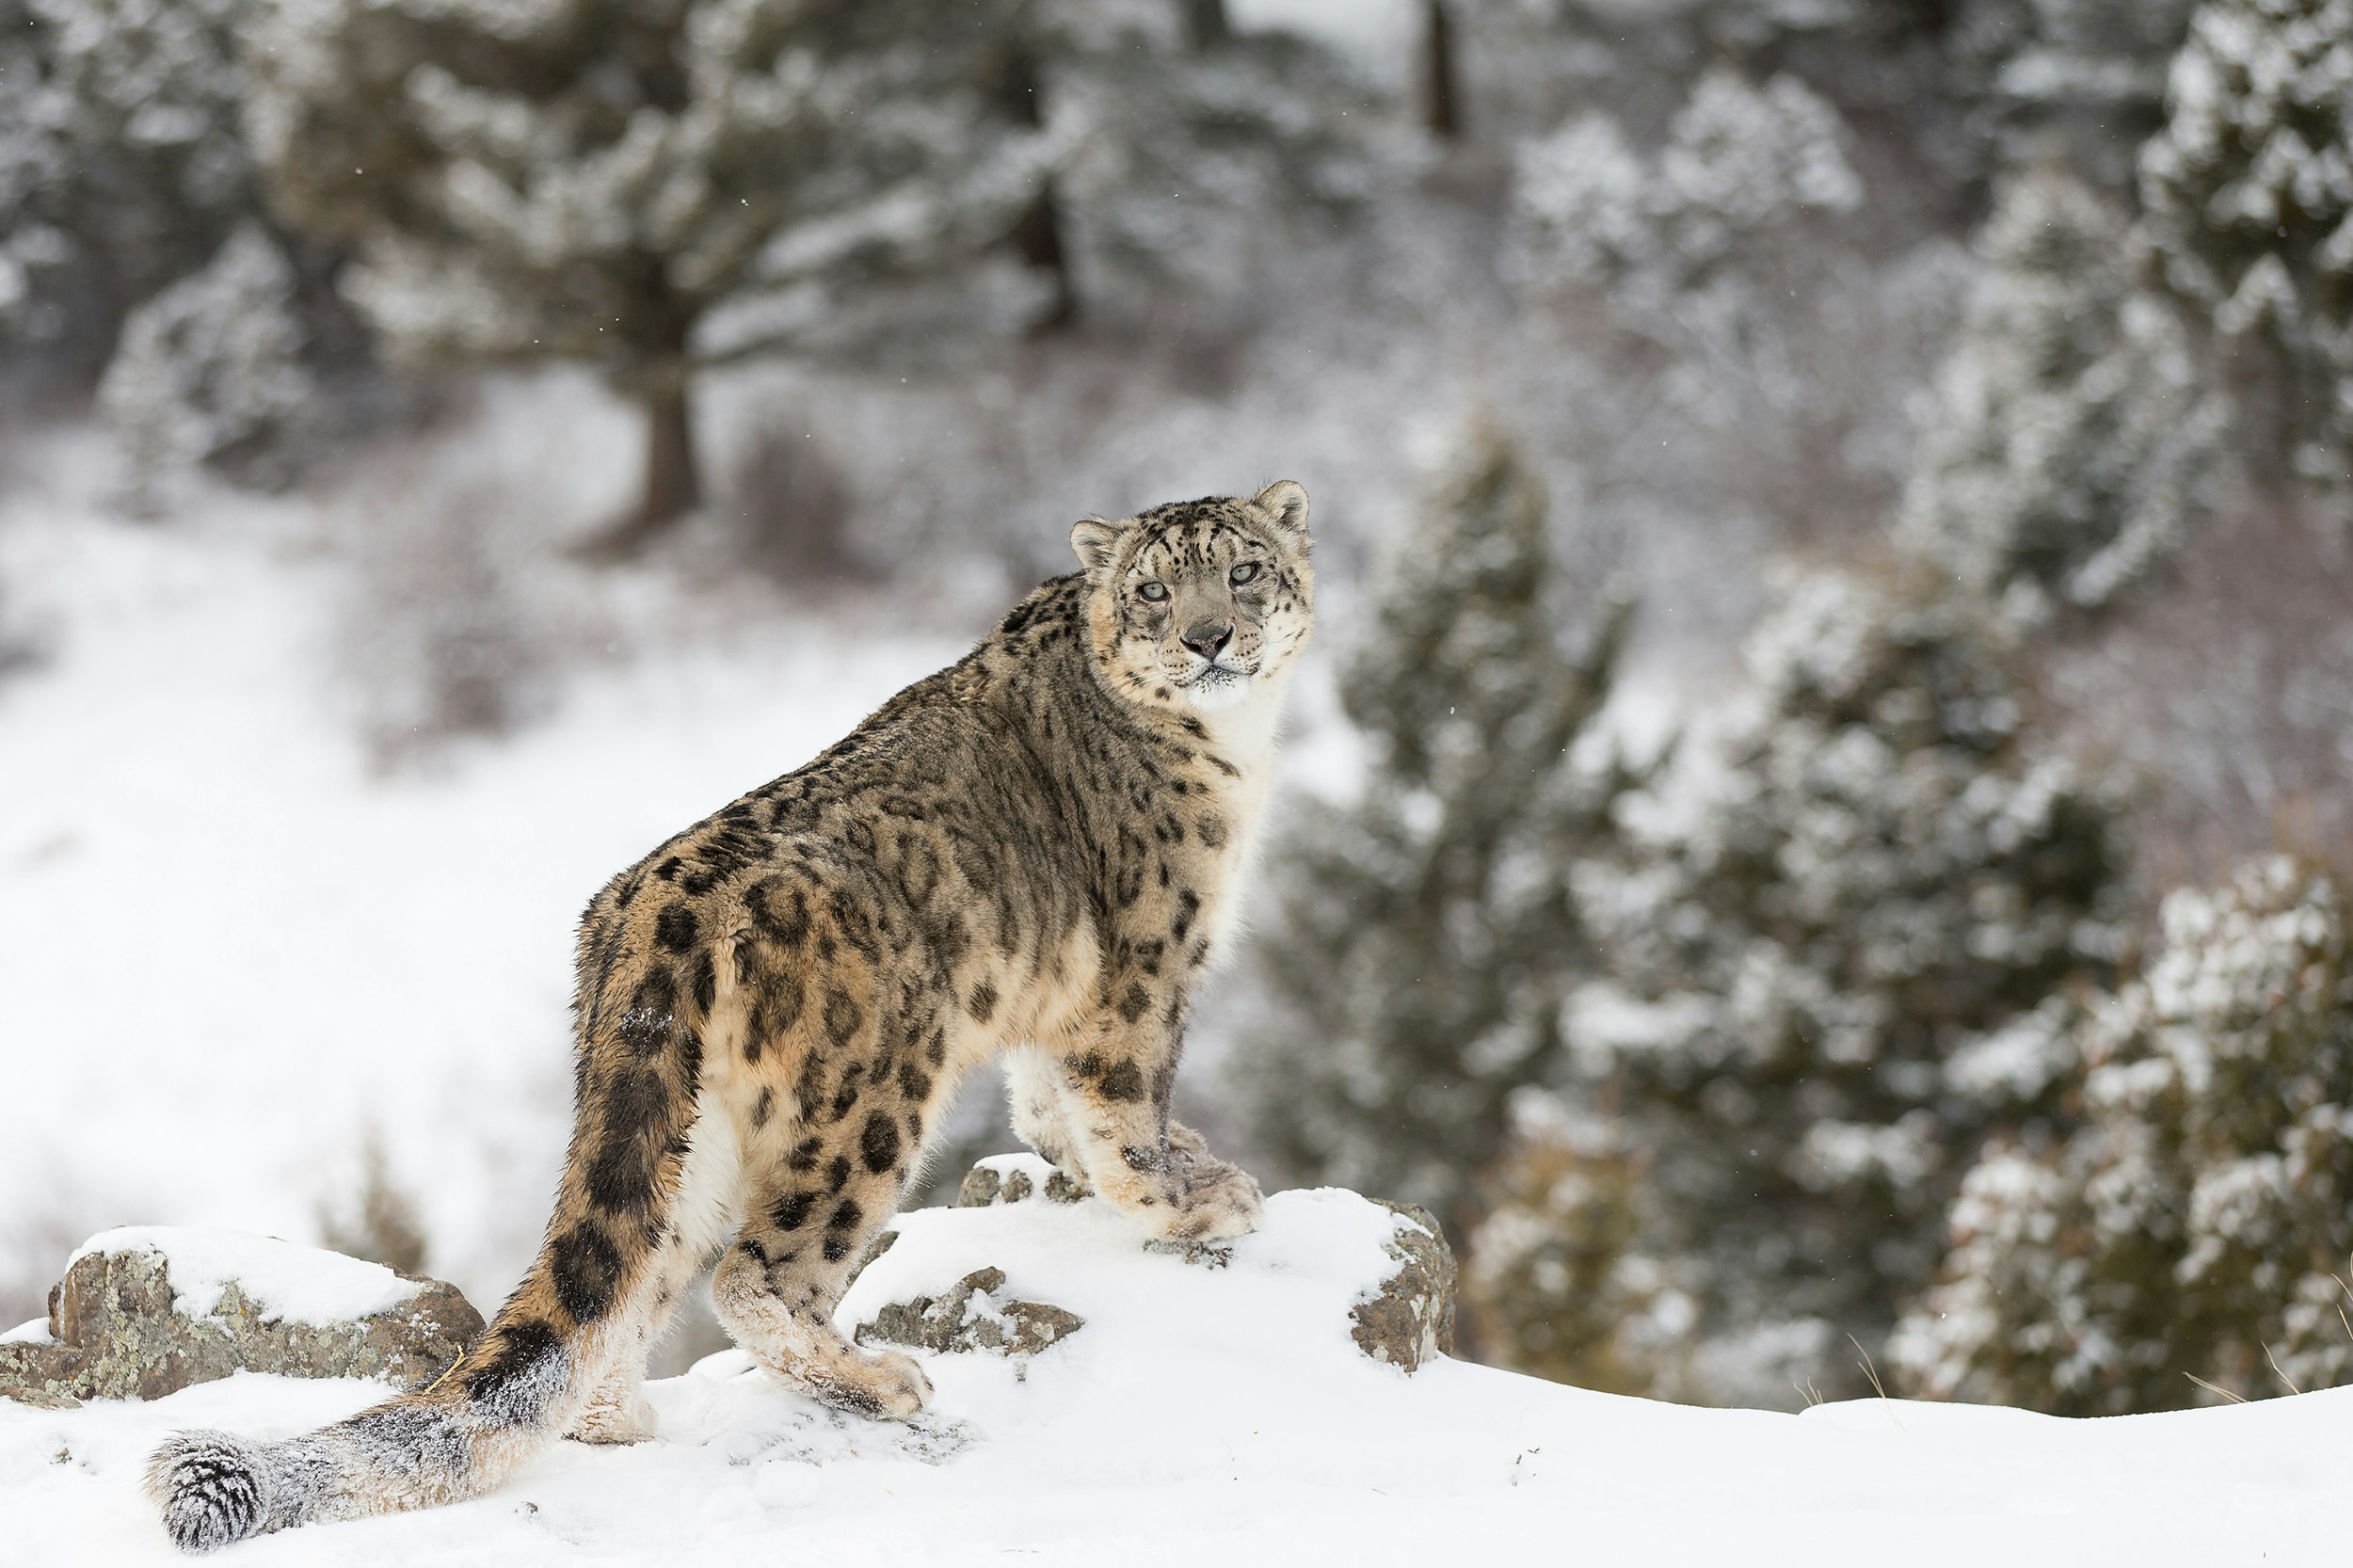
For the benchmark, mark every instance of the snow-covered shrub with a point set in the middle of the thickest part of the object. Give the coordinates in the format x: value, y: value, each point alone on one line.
x: 376, y: 1219
x: 2070, y: 437
x: 2199, y: 1222
x: 1427, y: 936
x: 212, y: 371
x: 1553, y: 1283
x: 2249, y: 193
x: 1830, y: 949
x: 449, y: 633
x: 789, y: 506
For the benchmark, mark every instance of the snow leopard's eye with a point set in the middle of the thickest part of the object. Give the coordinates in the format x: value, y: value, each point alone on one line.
x: 1153, y: 593
x: 1242, y: 573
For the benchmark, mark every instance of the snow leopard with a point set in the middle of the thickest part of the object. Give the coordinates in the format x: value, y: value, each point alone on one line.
x: 1031, y: 856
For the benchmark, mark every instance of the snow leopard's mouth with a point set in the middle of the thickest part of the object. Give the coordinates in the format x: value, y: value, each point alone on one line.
x: 1214, y: 685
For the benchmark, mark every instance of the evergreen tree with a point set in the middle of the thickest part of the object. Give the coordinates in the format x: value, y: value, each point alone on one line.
x: 2249, y: 194
x: 2082, y: 81
x: 122, y: 166
x: 2198, y: 1225
x: 1764, y: 341
x: 1556, y: 1283
x: 211, y: 370
x: 1828, y: 952
x: 1744, y: 171
x: 1197, y: 154
x: 2070, y: 437
x: 1427, y: 936
x: 644, y: 188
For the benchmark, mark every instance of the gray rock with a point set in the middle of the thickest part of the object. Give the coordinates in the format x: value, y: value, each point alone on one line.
x: 113, y: 1333
x: 969, y: 1318
x: 1410, y: 1321
x: 1407, y: 1322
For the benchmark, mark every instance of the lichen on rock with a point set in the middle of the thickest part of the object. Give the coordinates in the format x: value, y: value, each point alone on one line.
x: 1410, y: 1321
x: 119, y: 1327
x: 969, y: 1318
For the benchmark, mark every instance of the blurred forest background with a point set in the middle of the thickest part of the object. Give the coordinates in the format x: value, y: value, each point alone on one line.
x: 1819, y: 827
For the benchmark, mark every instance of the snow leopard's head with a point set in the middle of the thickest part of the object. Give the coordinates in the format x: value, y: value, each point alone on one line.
x: 1199, y: 603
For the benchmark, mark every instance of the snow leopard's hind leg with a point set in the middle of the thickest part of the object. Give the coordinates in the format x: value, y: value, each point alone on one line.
x: 1034, y: 1093
x: 776, y: 1288
x: 703, y: 1212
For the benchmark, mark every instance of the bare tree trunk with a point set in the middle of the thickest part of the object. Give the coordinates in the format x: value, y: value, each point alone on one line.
x: 672, y: 483
x: 1037, y: 234
x: 1442, y: 92
x: 1205, y: 20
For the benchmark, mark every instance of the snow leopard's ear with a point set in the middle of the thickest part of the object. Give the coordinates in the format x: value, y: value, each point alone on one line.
x: 1095, y: 542
x: 1284, y: 503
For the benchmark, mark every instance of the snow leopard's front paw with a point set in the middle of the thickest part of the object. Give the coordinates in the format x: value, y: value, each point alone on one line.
x: 1219, y: 1203
x: 890, y: 1386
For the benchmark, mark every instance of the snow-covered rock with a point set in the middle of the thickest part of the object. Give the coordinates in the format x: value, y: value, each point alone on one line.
x: 1028, y: 1258
x: 145, y: 1312
x: 1223, y: 1415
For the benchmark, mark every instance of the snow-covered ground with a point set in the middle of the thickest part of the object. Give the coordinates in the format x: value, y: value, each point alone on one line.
x: 1223, y: 1415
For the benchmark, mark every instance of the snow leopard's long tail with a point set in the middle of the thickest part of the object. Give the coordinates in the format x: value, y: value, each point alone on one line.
x: 458, y: 1438
x: 573, y: 1333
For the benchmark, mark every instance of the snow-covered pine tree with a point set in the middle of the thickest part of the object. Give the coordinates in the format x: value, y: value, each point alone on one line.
x: 122, y: 166
x: 1745, y: 170
x: 1554, y: 1282
x: 2080, y: 80
x: 2198, y: 1225
x: 211, y: 371
x: 642, y: 188
x: 2248, y: 196
x: 2071, y: 436
x: 1831, y: 947
x: 1198, y: 153
x: 1427, y: 937
x: 1766, y: 323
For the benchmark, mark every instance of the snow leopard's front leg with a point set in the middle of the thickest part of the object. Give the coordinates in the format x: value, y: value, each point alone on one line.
x: 1115, y: 1084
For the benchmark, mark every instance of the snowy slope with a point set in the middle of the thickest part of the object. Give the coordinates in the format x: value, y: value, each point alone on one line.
x: 1223, y: 1415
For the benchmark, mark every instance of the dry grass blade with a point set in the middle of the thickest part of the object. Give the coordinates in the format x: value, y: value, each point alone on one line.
x: 2277, y: 1373
x: 1807, y: 1392
x: 1869, y: 1371
x: 2216, y: 1388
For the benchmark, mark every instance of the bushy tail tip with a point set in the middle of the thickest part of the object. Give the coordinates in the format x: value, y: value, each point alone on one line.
x: 212, y: 1487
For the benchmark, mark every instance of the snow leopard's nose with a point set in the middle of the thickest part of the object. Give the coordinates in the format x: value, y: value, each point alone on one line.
x: 1209, y: 637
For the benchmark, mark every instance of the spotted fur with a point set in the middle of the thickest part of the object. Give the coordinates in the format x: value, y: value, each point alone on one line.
x: 1031, y: 856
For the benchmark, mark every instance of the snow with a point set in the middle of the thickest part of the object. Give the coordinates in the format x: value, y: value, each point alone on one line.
x: 285, y: 1282
x: 233, y: 946
x: 1221, y: 1414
